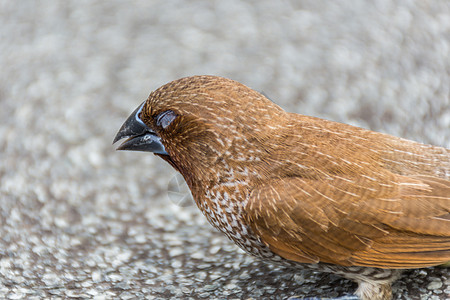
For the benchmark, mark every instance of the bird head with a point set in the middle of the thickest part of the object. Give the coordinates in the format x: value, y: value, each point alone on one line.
x: 196, y: 122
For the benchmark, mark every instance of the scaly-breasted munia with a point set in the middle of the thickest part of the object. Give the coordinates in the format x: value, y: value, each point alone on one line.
x: 297, y: 189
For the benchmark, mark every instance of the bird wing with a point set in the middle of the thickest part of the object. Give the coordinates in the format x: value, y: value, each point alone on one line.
x: 393, y: 221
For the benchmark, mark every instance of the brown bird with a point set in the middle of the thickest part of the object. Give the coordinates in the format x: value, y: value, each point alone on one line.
x: 300, y: 190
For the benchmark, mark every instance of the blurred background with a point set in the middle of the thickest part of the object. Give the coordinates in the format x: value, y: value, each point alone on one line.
x: 79, y: 220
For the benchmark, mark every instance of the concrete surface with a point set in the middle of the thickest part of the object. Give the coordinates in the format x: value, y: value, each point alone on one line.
x: 80, y: 220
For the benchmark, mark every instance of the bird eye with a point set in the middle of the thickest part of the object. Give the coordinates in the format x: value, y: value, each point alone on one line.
x: 165, y: 118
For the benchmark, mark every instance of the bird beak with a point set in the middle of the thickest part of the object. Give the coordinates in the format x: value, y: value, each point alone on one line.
x: 139, y: 136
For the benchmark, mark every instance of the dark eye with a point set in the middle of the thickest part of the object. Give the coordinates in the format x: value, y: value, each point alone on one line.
x: 165, y: 118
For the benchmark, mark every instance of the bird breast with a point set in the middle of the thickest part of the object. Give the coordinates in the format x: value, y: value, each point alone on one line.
x: 223, y: 205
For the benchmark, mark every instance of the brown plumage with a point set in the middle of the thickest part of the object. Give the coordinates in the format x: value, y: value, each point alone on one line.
x: 298, y: 189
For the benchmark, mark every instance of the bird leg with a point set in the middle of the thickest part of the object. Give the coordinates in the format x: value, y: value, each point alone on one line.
x: 374, y: 290
x: 347, y: 297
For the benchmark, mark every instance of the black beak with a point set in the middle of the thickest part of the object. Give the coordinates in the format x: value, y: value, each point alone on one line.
x: 139, y: 136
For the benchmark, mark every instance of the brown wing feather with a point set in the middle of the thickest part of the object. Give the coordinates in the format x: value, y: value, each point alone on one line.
x: 400, y: 222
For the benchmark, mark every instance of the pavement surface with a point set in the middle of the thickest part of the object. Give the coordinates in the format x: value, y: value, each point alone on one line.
x: 79, y: 220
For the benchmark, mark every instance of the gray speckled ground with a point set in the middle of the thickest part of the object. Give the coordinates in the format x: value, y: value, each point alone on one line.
x: 79, y: 220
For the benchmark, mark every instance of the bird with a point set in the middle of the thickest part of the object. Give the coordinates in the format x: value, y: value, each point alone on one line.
x: 299, y: 190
